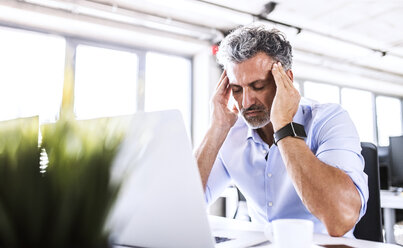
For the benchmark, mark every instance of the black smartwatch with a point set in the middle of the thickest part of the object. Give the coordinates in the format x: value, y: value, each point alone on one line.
x: 291, y: 129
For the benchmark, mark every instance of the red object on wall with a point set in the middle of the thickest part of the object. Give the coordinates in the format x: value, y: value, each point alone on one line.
x: 214, y: 49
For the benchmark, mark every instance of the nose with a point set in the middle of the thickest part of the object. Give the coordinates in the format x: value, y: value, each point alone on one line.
x: 247, y: 99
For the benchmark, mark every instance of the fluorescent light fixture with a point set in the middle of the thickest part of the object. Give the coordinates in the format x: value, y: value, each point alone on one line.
x: 189, y: 10
x: 52, y: 4
x: 330, y: 47
x: 48, y: 20
x: 129, y: 17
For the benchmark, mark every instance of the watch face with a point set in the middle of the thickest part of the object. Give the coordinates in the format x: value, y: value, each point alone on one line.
x: 299, y: 130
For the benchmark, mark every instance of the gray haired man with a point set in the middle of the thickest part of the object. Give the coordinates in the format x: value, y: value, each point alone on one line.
x: 290, y: 157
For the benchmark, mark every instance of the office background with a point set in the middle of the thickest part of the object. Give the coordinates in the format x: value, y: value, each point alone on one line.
x: 135, y: 55
x: 115, y: 57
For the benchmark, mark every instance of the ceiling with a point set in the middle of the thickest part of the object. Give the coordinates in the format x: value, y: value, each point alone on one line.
x: 358, y: 37
x: 371, y: 23
x: 363, y: 37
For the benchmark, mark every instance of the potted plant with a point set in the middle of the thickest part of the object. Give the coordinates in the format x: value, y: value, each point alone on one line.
x: 56, y: 192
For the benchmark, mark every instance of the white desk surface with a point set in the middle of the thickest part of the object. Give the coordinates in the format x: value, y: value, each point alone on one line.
x: 391, y: 199
x: 389, y: 202
x: 220, y: 223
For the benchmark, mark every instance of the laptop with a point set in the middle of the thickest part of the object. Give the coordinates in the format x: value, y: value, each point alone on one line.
x: 161, y: 202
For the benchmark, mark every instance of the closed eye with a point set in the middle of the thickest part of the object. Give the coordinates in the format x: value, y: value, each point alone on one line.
x: 236, y: 89
x: 259, y: 85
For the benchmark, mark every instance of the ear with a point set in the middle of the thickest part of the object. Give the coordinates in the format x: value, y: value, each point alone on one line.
x: 290, y: 74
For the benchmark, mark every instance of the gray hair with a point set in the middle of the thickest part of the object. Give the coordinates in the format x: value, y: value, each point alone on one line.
x: 245, y: 42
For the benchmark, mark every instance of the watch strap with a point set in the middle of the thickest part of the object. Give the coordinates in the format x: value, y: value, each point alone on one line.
x: 291, y: 129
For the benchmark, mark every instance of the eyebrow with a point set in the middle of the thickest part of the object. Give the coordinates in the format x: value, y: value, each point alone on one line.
x: 253, y: 82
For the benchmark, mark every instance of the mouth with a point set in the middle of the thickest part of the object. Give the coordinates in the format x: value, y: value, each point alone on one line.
x: 252, y: 113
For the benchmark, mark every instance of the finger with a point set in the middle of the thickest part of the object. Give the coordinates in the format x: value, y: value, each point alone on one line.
x: 223, y: 92
x: 277, y: 76
x: 284, y: 75
x: 223, y: 75
x: 222, y: 87
x: 225, y: 88
x: 228, y: 90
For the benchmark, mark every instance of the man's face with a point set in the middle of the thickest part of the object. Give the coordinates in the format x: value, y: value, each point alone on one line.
x: 253, y: 88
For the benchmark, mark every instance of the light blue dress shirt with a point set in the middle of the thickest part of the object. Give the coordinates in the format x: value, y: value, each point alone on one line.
x: 269, y: 191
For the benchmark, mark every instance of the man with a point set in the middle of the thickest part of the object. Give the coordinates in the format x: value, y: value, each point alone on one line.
x: 318, y: 177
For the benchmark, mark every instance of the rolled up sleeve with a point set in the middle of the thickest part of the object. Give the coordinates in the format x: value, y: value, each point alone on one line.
x: 218, y: 180
x: 339, y: 146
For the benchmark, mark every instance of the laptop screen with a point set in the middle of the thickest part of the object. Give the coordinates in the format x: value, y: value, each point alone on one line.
x: 161, y: 202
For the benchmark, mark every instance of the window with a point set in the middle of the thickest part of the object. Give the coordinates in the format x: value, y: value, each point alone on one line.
x: 322, y: 93
x: 359, y: 105
x: 389, y: 118
x: 105, y: 82
x: 31, y: 78
x: 168, y: 84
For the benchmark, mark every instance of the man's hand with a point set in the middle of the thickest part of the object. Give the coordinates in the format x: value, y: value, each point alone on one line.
x: 286, y: 100
x: 222, y: 116
x: 222, y: 120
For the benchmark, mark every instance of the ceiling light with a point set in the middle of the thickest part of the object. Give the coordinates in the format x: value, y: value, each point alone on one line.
x: 116, y: 14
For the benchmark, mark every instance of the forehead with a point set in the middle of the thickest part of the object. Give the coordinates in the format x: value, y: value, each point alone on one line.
x: 255, y: 68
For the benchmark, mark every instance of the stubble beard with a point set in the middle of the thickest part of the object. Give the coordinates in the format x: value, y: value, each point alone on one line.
x: 258, y: 121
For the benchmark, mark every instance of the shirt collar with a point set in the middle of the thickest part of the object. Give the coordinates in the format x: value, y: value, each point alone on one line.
x: 252, y: 134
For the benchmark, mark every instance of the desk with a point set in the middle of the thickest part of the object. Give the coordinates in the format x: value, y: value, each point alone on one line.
x: 389, y: 202
x: 219, y: 223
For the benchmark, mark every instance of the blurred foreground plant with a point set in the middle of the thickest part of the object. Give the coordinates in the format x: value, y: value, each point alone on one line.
x: 57, y: 194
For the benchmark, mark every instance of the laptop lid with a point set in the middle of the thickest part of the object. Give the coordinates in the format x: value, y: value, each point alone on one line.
x: 161, y: 202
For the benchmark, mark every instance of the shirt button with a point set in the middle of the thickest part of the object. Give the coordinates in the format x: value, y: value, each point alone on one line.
x: 269, y: 175
x: 270, y: 204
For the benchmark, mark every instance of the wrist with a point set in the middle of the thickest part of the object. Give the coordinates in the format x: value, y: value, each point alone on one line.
x: 279, y: 124
x: 291, y: 129
x: 219, y: 131
x: 223, y: 123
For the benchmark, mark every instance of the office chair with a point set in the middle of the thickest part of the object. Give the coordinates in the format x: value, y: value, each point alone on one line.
x: 396, y: 161
x: 370, y: 225
x: 396, y: 171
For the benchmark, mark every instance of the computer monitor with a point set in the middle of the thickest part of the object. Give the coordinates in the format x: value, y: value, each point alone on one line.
x: 396, y: 161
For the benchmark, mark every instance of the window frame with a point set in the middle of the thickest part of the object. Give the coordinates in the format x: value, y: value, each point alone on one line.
x: 302, y: 80
x: 141, y: 53
x: 70, y: 61
x: 45, y: 33
x: 376, y: 116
